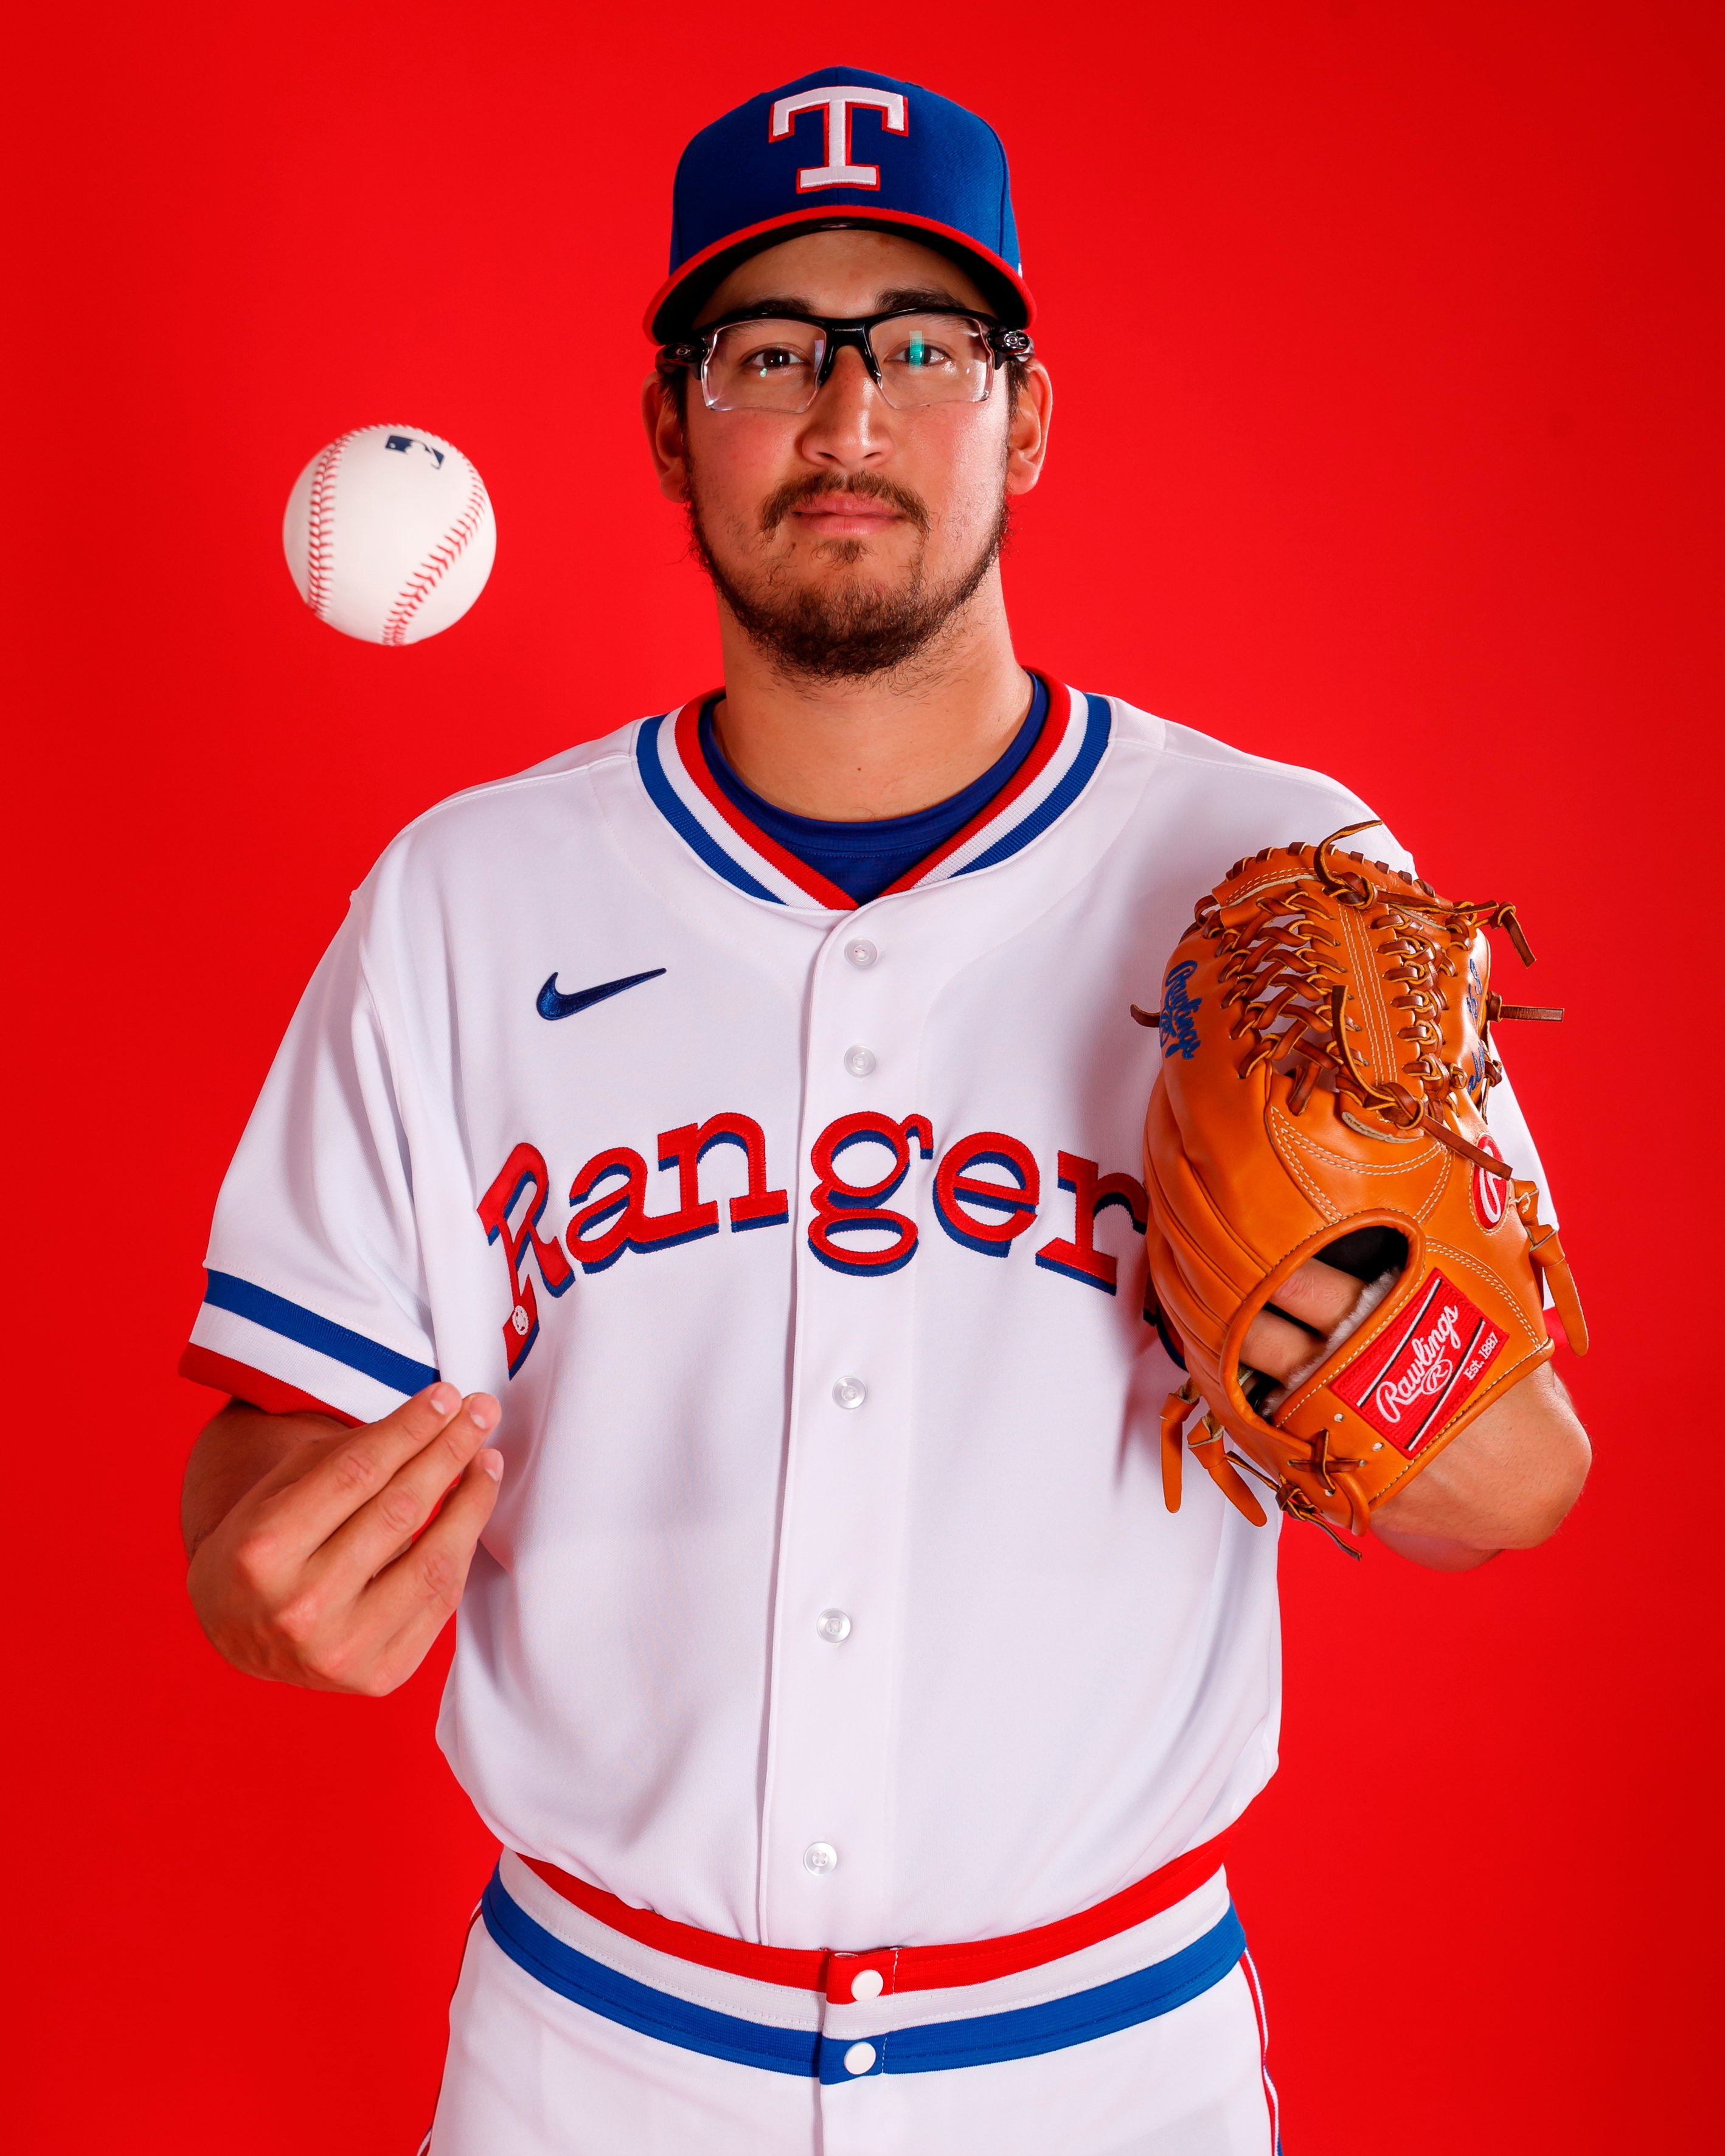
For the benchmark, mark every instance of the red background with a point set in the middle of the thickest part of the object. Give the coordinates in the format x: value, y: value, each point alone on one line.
x: 1387, y: 336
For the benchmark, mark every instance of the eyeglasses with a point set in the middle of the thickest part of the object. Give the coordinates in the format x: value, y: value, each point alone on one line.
x: 916, y: 356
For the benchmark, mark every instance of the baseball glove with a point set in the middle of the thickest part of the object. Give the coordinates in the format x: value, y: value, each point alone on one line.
x: 1326, y: 1058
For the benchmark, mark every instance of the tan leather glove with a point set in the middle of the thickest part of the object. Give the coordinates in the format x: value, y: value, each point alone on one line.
x: 1326, y: 1062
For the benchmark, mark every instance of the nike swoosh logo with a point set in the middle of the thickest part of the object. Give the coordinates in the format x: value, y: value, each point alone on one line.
x: 552, y: 1003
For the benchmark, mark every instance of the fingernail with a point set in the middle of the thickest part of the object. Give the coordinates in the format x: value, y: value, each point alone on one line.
x: 492, y: 1462
x: 484, y: 1411
x: 444, y: 1399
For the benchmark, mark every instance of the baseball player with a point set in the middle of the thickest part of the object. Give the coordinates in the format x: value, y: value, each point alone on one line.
x: 694, y: 1222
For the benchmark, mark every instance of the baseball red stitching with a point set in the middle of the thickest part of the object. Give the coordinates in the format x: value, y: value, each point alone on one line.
x: 442, y: 556
x: 320, y: 530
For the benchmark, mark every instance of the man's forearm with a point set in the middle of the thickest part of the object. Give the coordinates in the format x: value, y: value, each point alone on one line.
x: 1505, y: 1483
x: 234, y: 1453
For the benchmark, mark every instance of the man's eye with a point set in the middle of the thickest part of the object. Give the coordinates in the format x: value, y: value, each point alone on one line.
x: 918, y: 352
x: 772, y: 359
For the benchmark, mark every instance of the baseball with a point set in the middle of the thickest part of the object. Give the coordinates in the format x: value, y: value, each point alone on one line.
x: 389, y: 534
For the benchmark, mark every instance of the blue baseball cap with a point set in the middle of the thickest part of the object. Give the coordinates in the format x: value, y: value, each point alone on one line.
x: 841, y: 147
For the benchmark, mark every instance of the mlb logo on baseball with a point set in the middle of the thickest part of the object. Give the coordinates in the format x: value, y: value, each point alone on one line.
x: 404, y: 444
x: 1424, y: 1368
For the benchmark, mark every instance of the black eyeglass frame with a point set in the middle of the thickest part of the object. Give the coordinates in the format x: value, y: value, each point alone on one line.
x: 696, y: 351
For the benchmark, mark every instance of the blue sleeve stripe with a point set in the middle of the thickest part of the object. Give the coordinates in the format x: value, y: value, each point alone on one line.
x: 276, y: 1314
x: 664, y: 797
x: 1060, y: 799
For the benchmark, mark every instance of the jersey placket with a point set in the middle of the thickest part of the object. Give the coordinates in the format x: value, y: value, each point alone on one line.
x: 826, y: 1851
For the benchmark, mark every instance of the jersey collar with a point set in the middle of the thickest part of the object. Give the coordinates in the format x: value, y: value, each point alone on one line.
x: 680, y: 784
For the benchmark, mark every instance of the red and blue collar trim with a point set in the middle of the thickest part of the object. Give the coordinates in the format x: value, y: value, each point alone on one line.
x: 681, y: 786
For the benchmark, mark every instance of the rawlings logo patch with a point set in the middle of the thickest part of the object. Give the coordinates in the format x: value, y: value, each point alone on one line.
x: 1423, y: 1368
x: 1179, y: 1029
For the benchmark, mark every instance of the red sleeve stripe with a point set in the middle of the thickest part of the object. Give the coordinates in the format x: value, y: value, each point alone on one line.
x: 256, y: 1388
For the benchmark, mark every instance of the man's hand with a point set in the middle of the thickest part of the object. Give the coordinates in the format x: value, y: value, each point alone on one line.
x: 312, y: 1562
x: 1505, y: 1483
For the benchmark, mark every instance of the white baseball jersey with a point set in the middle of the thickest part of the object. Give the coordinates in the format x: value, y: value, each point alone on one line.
x: 830, y: 1596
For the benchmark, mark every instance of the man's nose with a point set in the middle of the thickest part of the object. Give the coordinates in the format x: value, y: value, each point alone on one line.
x: 844, y: 425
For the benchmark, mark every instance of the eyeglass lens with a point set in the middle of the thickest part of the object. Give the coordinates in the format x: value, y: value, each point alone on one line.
x: 774, y: 366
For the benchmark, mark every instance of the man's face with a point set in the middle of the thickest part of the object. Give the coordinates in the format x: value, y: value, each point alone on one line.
x: 845, y: 538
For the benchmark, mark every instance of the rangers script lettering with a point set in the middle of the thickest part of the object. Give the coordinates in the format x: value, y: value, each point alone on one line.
x: 978, y: 1212
x: 524, y: 1171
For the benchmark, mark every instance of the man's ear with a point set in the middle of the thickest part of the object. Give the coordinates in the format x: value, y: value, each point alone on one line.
x: 666, y: 443
x: 1027, y: 437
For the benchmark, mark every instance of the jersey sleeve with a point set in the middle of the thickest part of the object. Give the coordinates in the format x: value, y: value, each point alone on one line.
x: 317, y: 1294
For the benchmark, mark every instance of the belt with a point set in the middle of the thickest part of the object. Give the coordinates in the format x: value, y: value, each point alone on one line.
x: 843, y: 2016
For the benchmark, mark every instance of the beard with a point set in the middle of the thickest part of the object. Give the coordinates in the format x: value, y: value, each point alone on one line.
x: 844, y: 631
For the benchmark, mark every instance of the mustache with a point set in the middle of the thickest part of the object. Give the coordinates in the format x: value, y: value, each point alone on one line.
x: 865, y: 486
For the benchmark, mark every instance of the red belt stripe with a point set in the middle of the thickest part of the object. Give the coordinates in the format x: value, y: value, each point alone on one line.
x: 902, y: 1969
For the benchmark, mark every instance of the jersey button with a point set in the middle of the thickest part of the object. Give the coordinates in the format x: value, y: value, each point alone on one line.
x: 851, y: 1392
x: 858, y: 1061
x: 833, y: 1625
x: 858, y: 2058
x: 867, y: 1983
x: 861, y: 952
x: 821, y: 1856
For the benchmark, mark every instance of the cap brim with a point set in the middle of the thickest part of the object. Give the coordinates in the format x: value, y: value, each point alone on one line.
x: 686, y: 291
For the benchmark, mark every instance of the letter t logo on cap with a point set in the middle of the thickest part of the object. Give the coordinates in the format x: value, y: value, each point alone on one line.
x: 838, y: 99
x: 739, y: 189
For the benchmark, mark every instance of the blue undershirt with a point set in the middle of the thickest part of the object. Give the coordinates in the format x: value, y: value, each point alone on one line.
x: 864, y: 858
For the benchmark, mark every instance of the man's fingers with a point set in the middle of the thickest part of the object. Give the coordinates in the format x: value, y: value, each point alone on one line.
x: 1276, y: 1347
x: 384, y: 1526
x: 1316, y: 1298
x: 1318, y: 1295
x: 409, y: 1604
x: 351, y: 1469
x: 276, y: 1602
